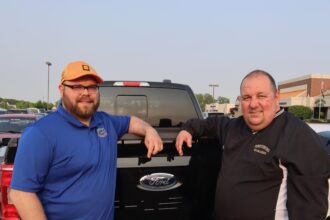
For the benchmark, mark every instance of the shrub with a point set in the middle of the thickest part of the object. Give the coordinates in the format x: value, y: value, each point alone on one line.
x: 301, y: 112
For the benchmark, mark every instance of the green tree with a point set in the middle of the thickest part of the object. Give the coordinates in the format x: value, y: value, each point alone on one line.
x: 208, y: 98
x: 3, y: 105
x: 301, y: 111
x: 204, y: 99
x: 200, y: 99
x: 41, y: 104
x: 24, y: 104
x: 222, y: 100
x: 21, y: 104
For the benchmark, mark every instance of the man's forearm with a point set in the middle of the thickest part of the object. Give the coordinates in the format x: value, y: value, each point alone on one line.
x: 152, y: 139
x: 138, y: 126
x: 27, y: 204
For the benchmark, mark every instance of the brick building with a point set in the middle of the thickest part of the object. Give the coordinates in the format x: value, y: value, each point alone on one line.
x: 310, y: 90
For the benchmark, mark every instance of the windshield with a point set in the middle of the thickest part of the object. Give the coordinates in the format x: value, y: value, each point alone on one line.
x: 14, y: 125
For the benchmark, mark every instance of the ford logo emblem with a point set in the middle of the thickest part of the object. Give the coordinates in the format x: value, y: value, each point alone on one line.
x: 159, y: 182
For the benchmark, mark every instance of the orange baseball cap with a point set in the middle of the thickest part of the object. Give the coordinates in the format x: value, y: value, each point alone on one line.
x: 77, y: 69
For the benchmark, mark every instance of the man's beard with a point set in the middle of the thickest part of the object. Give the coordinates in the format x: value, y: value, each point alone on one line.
x: 79, y: 111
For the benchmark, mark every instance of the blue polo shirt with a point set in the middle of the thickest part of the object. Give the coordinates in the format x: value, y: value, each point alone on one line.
x: 71, y: 166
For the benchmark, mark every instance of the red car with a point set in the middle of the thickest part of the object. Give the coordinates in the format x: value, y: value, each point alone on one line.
x: 11, y: 127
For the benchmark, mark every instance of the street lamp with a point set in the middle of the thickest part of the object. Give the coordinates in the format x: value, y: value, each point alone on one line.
x: 213, y: 85
x: 48, y: 64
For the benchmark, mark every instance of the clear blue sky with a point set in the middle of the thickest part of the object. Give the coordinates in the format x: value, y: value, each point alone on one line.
x: 188, y: 41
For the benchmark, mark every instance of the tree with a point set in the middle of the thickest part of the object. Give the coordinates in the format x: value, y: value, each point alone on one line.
x: 201, y: 101
x: 204, y: 99
x: 41, y: 105
x: 207, y: 98
x: 21, y: 104
x: 24, y: 104
x: 223, y: 100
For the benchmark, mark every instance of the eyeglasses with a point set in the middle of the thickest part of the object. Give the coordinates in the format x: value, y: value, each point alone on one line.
x: 80, y: 88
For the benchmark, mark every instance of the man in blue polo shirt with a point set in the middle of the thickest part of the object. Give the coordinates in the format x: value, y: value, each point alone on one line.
x: 65, y: 167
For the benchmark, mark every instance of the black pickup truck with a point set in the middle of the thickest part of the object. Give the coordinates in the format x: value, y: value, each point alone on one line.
x: 166, y: 186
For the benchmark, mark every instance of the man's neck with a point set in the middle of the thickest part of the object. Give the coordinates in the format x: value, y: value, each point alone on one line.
x: 84, y: 121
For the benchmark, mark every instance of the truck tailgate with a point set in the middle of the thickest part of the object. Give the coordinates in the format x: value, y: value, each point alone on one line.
x: 167, y: 185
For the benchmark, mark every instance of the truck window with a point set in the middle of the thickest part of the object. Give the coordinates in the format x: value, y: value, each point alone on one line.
x: 131, y: 105
x: 161, y: 107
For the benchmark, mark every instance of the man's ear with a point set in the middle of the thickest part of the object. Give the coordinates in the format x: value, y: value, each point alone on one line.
x: 277, y: 95
x: 61, y: 89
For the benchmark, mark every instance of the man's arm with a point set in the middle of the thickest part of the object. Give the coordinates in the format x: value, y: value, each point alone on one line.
x: 196, y: 128
x: 152, y: 139
x: 308, y: 167
x: 27, y: 204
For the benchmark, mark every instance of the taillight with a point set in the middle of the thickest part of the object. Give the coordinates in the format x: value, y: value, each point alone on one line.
x: 8, y: 210
x: 6, y: 174
x: 128, y: 83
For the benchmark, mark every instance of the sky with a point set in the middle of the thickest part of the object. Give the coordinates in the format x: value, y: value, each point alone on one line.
x: 193, y: 42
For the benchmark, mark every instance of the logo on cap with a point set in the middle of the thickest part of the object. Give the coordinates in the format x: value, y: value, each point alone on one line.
x: 85, y: 67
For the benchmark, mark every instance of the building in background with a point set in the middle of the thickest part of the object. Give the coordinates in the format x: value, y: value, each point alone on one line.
x: 311, y: 90
x: 220, y: 108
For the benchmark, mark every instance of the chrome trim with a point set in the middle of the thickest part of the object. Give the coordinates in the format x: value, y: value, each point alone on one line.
x: 7, y: 169
x: 127, y: 162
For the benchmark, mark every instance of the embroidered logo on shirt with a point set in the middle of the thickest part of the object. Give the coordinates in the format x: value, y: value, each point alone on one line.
x: 261, y: 149
x: 101, y: 132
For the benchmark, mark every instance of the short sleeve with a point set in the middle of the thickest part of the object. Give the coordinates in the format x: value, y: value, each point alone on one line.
x: 32, y: 161
x: 120, y: 124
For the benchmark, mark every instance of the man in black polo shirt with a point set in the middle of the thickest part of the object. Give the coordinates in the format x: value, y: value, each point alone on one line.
x: 273, y: 164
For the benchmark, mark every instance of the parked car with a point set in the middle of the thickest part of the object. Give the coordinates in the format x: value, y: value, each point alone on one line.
x: 3, y: 111
x: 17, y: 111
x: 12, y: 125
x: 11, y: 128
x: 325, y: 138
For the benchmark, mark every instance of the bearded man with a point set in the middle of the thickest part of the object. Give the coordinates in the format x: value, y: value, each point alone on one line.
x: 65, y: 167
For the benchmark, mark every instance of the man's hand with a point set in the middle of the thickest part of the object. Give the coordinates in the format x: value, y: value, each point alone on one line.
x: 183, y: 136
x: 152, y: 141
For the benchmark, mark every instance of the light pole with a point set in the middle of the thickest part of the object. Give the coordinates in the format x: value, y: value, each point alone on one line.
x: 213, y: 85
x: 321, y: 95
x: 48, y: 64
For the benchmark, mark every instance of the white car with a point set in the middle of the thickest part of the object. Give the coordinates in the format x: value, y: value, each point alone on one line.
x: 325, y: 138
